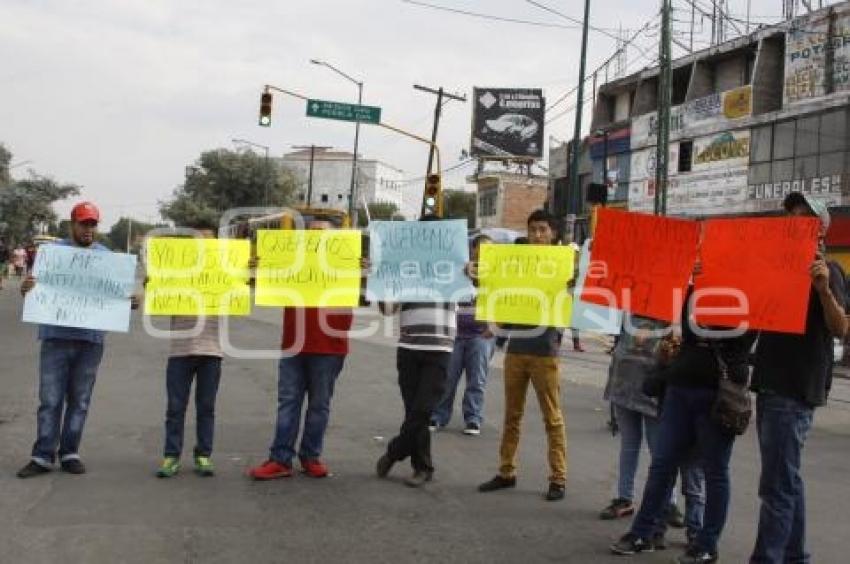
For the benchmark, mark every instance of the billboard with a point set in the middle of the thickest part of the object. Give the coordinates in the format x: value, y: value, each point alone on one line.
x: 507, y: 123
x: 805, y: 58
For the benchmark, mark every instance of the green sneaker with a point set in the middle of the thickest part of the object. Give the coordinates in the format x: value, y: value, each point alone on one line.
x: 170, y: 466
x: 204, y: 466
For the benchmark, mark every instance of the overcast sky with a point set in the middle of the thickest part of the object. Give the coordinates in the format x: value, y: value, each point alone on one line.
x: 119, y: 96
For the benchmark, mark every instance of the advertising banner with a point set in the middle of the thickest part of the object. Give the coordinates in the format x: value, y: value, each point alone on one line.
x: 507, y: 122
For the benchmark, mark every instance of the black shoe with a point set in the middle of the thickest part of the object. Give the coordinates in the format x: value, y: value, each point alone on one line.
x: 73, y: 466
x: 630, y: 544
x: 385, y: 464
x: 675, y: 518
x: 472, y: 429
x: 659, y: 542
x: 620, y: 507
x: 419, y: 478
x: 696, y: 556
x: 497, y: 483
x: 555, y: 492
x: 32, y: 468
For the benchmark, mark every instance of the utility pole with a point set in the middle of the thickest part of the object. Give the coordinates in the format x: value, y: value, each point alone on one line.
x: 129, y: 233
x: 440, y: 93
x: 575, y: 185
x: 665, y: 84
x: 310, y: 176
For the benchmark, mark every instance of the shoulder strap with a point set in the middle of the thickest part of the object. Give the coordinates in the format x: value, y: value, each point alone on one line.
x: 721, y: 364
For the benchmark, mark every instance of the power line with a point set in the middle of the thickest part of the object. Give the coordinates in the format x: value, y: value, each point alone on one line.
x: 570, y: 18
x: 487, y: 16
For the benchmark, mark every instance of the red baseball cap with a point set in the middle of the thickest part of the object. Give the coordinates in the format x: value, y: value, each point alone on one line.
x: 85, y: 211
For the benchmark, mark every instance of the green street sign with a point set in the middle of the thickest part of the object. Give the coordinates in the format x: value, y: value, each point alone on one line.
x: 344, y: 112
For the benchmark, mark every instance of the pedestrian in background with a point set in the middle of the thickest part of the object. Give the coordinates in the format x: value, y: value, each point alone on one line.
x: 19, y: 261
x: 474, y: 347
x: 792, y: 377
x: 4, y: 262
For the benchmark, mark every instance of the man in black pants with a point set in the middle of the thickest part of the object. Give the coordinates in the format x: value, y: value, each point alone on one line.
x: 422, y: 359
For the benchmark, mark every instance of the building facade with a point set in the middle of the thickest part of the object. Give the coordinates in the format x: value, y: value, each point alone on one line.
x: 753, y: 119
x: 506, y: 199
x: 377, y: 182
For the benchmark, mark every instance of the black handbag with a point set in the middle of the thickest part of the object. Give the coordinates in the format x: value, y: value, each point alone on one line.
x: 733, y: 407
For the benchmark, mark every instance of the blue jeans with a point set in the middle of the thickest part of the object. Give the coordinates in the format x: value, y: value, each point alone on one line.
x: 313, y: 375
x: 67, y: 372
x: 179, y: 374
x: 685, y: 424
x: 633, y: 426
x: 782, y: 424
x: 473, y: 356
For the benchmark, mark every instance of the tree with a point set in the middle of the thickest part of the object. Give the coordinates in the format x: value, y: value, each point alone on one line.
x: 458, y: 204
x: 26, y: 206
x: 221, y: 180
x: 117, y: 235
x: 380, y: 210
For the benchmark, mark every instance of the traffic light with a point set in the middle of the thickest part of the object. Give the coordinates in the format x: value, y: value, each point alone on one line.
x: 433, y: 195
x: 266, y: 109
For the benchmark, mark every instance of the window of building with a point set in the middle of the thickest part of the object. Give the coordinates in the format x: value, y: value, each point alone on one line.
x: 487, y: 203
x: 783, y: 140
x: 808, y: 132
x: 782, y: 170
x: 339, y: 196
x: 760, y: 173
x: 686, y: 151
x: 831, y: 163
x: 324, y: 198
x: 761, y: 139
x: 806, y: 167
x: 833, y: 131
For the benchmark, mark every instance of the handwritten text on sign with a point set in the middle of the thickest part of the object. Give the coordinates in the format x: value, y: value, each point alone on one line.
x: 647, y: 259
x: 525, y: 284
x: 756, y: 271
x: 197, y: 277
x: 82, y: 288
x: 418, y: 261
x: 308, y: 268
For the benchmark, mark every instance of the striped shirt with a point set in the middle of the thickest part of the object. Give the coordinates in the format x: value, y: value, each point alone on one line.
x: 427, y: 326
x: 205, y: 340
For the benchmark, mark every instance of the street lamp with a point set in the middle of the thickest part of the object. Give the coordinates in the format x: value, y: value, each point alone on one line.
x: 16, y: 165
x: 351, y: 197
x: 268, y: 173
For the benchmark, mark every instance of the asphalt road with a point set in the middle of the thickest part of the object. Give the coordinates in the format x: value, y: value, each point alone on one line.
x: 119, y: 512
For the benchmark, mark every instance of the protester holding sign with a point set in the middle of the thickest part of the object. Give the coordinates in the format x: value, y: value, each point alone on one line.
x: 792, y: 376
x: 422, y: 359
x: 690, y: 419
x: 315, y: 345
x: 532, y: 356
x: 70, y: 357
x: 195, y: 355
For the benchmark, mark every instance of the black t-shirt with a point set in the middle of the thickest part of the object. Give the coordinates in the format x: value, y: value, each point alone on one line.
x: 800, y: 366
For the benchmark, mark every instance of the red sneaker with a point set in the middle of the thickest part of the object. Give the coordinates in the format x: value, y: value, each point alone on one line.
x: 314, y: 468
x: 270, y: 470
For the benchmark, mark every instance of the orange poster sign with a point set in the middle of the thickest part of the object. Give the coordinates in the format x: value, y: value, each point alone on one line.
x: 756, y: 271
x: 641, y: 263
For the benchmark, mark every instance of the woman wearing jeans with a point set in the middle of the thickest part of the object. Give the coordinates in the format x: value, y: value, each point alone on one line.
x: 634, y: 362
x: 686, y: 424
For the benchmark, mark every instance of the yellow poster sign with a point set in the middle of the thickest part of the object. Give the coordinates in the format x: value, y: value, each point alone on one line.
x: 525, y: 284
x: 308, y: 268
x: 197, y: 277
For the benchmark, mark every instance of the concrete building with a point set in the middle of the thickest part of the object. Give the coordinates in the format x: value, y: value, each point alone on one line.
x: 506, y: 199
x: 754, y: 118
x: 377, y: 182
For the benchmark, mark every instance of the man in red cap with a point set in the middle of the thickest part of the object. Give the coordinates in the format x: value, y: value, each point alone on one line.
x: 69, y: 360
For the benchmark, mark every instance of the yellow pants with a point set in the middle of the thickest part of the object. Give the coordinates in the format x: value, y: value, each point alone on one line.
x: 542, y: 372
